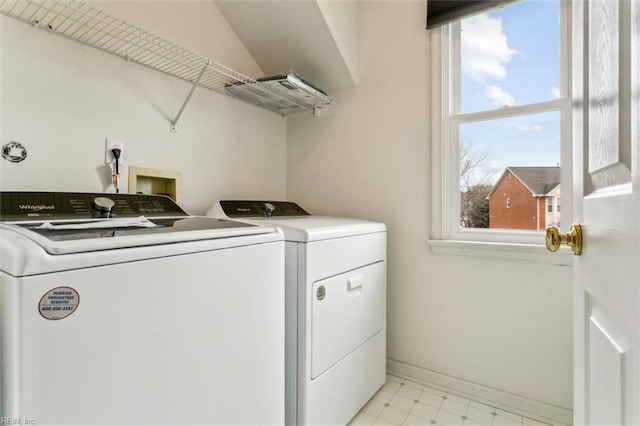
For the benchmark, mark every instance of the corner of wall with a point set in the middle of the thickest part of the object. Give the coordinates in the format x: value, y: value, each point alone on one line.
x: 342, y: 20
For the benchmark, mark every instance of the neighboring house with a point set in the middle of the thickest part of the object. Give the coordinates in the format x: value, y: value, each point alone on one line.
x: 526, y: 198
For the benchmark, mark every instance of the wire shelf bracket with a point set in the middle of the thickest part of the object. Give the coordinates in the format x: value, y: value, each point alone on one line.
x: 186, y: 101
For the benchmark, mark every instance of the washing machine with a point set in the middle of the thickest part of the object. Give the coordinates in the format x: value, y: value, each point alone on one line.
x: 335, y: 308
x: 120, y: 309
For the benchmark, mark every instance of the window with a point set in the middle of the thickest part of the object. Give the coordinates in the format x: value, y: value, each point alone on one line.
x: 501, y: 122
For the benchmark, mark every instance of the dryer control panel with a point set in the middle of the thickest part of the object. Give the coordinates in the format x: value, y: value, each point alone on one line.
x: 246, y: 208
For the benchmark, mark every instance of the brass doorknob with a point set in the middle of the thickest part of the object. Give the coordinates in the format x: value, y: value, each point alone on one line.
x: 573, y: 239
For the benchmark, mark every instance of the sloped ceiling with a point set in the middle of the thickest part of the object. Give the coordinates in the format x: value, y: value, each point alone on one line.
x: 316, y: 40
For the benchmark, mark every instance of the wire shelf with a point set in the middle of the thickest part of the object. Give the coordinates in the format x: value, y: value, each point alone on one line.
x: 84, y: 23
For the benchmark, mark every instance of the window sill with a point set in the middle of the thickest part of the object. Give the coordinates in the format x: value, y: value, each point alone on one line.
x: 505, y: 251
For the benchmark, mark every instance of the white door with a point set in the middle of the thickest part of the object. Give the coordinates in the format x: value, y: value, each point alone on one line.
x: 606, y: 35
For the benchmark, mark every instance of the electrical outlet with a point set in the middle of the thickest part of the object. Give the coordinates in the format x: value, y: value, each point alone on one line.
x: 108, y: 155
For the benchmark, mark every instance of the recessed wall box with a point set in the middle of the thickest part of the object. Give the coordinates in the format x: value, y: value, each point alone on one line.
x: 156, y: 182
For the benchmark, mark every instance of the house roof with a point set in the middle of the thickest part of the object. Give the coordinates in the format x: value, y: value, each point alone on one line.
x: 539, y: 180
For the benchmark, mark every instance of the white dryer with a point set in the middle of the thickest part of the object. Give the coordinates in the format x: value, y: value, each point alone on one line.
x: 335, y: 308
x: 124, y: 310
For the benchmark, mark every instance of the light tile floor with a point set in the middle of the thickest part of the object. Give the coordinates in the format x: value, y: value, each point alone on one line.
x: 402, y: 402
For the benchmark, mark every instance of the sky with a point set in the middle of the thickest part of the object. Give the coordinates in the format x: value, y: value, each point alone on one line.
x: 510, y: 57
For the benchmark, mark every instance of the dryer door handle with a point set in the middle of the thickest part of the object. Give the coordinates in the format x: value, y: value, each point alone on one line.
x: 354, y: 283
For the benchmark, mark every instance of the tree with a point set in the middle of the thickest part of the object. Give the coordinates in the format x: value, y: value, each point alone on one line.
x: 474, y: 206
x: 475, y: 184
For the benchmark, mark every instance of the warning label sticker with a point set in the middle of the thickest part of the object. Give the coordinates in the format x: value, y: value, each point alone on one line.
x: 59, y: 303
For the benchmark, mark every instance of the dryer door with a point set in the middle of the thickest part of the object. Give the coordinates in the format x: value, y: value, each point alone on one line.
x: 346, y: 311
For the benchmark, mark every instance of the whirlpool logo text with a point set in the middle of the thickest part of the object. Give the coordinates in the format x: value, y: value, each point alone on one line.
x: 37, y: 208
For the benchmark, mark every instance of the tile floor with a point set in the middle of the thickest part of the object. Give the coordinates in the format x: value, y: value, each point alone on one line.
x: 402, y: 402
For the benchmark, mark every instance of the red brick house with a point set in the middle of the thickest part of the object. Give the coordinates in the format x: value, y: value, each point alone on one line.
x: 526, y: 198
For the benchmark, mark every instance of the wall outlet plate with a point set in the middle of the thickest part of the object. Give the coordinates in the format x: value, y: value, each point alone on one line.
x: 108, y: 155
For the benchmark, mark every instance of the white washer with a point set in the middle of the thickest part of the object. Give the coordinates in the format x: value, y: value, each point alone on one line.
x: 180, y: 323
x: 335, y: 308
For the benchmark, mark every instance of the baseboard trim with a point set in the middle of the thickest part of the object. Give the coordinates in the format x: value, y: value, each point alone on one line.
x: 517, y: 404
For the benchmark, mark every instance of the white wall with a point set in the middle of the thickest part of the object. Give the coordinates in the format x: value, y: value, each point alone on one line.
x: 503, y: 324
x: 62, y: 99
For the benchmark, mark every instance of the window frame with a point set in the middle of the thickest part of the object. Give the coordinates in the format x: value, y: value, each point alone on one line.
x: 445, y: 125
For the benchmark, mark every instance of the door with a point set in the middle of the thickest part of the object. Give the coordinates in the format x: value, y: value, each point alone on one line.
x: 346, y: 311
x: 606, y: 131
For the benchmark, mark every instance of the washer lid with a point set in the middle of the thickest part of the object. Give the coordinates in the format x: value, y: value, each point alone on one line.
x: 164, y: 231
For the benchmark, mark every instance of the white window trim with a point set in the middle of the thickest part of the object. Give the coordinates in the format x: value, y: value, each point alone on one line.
x: 447, y: 236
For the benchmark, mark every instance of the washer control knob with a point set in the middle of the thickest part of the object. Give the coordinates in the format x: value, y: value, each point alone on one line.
x: 268, y: 209
x: 103, y: 204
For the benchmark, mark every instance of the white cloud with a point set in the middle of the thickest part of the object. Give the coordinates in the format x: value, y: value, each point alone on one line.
x: 499, y: 96
x: 521, y: 126
x: 555, y: 92
x: 484, y: 48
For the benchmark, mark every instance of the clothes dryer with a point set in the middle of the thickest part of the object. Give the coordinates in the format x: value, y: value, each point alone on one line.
x: 335, y: 308
x: 124, y: 310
